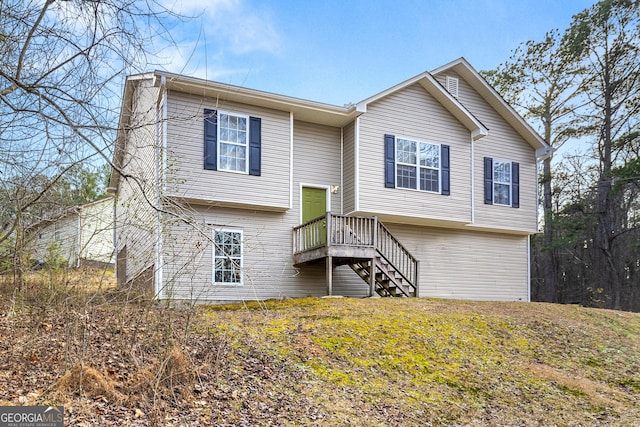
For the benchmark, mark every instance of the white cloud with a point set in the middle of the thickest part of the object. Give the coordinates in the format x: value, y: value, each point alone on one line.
x: 196, y: 7
x: 231, y: 26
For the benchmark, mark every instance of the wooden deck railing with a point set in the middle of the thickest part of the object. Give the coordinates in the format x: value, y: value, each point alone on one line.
x: 397, y: 255
x: 333, y: 230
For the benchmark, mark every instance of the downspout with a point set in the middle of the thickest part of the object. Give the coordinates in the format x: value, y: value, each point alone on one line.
x: 356, y: 175
x: 537, y: 177
x: 290, y: 160
x: 529, y: 268
x: 79, y: 237
x: 161, y: 136
x: 341, y: 171
x: 473, y: 183
x: 114, y: 254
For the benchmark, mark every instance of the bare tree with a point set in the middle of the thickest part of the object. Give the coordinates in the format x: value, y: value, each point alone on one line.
x: 540, y: 80
x: 607, y: 39
x: 62, y: 64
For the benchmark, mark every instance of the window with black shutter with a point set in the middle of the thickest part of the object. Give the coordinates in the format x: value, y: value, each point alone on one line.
x: 416, y: 165
x: 232, y: 142
x: 501, y: 182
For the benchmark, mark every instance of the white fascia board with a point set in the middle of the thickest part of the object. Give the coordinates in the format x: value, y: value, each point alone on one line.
x: 479, y: 133
x: 306, y: 110
x: 544, y: 152
x: 464, y: 69
x: 435, y: 89
x: 361, y: 107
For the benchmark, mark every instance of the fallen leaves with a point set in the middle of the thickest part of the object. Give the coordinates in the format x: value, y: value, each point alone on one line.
x: 323, y: 362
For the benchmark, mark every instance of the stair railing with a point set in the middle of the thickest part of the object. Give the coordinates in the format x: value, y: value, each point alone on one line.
x: 331, y: 229
x: 397, y: 256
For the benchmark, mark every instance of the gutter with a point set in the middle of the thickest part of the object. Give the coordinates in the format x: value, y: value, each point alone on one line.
x: 544, y: 152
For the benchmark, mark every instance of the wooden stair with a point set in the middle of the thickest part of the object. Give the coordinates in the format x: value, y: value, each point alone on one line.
x: 388, y: 280
x: 364, y: 244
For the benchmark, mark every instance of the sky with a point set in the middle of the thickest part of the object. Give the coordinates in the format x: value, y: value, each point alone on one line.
x: 344, y: 51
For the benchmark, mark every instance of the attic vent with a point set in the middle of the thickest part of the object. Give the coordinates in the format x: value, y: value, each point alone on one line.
x: 452, y: 86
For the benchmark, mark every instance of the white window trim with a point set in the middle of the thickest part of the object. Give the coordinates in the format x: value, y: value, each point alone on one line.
x: 213, y: 256
x: 417, y: 165
x: 219, y: 163
x: 494, y: 181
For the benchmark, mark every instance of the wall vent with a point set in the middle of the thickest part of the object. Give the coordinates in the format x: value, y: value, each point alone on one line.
x: 452, y: 86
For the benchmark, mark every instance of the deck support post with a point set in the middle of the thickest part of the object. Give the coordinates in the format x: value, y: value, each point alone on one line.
x: 329, y: 262
x: 416, y: 279
x: 372, y: 277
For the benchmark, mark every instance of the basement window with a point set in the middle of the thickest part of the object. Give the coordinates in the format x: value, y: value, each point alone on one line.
x: 227, y: 257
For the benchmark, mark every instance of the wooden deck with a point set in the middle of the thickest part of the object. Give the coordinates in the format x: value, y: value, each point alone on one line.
x: 365, y: 244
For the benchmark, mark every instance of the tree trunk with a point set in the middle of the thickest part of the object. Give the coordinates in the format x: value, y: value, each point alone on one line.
x: 548, y: 263
x: 18, y: 254
x: 603, y: 269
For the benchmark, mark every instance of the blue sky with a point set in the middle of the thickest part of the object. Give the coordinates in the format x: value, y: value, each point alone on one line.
x: 344, y: 51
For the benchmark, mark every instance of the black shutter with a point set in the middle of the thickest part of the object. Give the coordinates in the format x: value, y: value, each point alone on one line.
x: 255, y: 145
x: 515, y: 185
x: 390, y: 161
x: 445, y: 170
x: 210, y: 139
x: 488, y: 180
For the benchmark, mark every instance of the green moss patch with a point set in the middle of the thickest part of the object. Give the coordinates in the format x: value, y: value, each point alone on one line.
x: 434, y: 361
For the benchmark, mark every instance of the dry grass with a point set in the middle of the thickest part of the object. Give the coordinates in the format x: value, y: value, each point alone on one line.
x: 113, y: 359
x: 423, y: 362
x: 87, y: 382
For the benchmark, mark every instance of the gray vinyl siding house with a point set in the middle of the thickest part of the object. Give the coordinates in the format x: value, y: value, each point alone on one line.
x: 82, y: 235
x: 425, y: 189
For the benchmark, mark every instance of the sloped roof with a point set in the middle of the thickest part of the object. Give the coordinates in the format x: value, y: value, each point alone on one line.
x: 435, y: 89
x: 333, y: 115
x: 72, y: 210
x: 462, y: 67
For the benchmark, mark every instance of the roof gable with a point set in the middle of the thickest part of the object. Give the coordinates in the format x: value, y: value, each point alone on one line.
x: 435, y: 89
x: 462, y: 67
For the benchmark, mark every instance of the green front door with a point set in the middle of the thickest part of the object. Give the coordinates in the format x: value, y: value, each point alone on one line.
x: 314, y: 205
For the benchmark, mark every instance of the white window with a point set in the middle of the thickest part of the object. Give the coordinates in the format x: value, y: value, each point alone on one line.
x: 417, y: 165
x: 501, y: 182
x: 227, y: 257
x: 233, y: 137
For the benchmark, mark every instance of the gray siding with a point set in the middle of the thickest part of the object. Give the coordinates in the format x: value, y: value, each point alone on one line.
x: 413, y: 113
x: 186, y: 176
x: 135, y: 215
x: 461, y: 264
x: 316, y: 159
x: 58, y: 239
x: 267, y: 262
x: 96, y: 225
x: 456, y: 264
x: 348, y: 186
x: 267, y: 267
x: 503, y: 142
